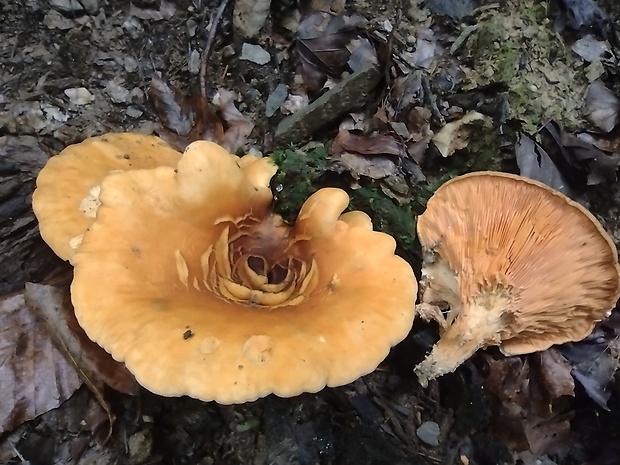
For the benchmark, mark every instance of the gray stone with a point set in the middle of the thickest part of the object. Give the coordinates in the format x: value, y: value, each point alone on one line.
x: 71, y: 6
x: 428, y: 433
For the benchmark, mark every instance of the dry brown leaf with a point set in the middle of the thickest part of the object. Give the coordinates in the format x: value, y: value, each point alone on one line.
x: 369, y: 156
x: 385, y: 144
x: 52, y: 306
x: 184, y: 119
x: 34, y: 376
x: 324, y: 46
x: 455, y: 135
x: 525, y: 417
x: 555, y: 373
x: 238, y: 127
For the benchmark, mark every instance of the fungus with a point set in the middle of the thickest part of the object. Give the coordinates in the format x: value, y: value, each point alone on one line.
x: 189, y: 278
x: 67, y: 194
x: 520, y: 265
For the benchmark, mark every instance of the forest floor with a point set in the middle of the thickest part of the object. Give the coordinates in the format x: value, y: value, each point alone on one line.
x: 386, y: 99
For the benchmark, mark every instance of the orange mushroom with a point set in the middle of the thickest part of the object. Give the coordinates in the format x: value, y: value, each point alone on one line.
x: 520, y: 265
x: 67, y: 194
x: 189, y: 278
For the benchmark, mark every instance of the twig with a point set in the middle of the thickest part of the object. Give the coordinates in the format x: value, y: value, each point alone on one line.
x: 206, y: 52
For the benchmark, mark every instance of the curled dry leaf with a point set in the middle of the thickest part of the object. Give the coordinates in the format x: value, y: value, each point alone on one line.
x: 34, y: 376
x: 455, y: 135
x: 183, y: 119
x: 238, y: 127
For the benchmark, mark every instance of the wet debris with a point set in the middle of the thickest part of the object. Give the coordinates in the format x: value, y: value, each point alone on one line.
x: 349, y: 94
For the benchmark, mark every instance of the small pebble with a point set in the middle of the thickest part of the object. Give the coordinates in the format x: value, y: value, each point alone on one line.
x: 428, y: 433
x: 79, y: 96
x: 255, y: 54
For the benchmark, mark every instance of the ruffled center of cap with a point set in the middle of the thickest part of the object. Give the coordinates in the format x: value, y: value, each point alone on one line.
x: 256, y: 263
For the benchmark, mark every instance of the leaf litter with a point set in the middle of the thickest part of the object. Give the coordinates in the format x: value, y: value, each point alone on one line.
x: 454, y: 60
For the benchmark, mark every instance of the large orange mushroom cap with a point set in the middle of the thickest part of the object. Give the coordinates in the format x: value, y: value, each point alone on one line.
x: 67, y: 194
x: 520, y: 265
x: 188, y: 277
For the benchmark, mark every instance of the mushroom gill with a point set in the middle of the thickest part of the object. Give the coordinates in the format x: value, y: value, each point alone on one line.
x: 520, y: 265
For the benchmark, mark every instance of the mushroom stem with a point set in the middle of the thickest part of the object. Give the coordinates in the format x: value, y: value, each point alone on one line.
x: 479, y: 324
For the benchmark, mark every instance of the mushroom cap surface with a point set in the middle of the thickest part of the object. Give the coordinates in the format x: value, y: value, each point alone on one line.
x: 188, y: 277
x: 66, y: 198
x: 518, y: 258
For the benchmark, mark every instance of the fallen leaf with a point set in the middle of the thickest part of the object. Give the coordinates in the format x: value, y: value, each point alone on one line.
x: 456, y: 134
x: 595, y: 359
x: 535, y: 163
x: 322, y: 41
x: 237, y: 127
x: 52, y: 306
x: 183, y: 119
x: 524, y: 413
x: 34, y: 376
x: 555, y: 373
x: 579, y: 160
x: 385, y: 144
x: 602, y: 106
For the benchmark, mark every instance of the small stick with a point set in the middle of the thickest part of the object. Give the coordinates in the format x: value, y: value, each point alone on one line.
x: 206, y: 52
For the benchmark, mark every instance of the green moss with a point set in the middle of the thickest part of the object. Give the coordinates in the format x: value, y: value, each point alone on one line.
x: 303, y: 173
x: 516, y: 46
x: 396, y: 220
x: 299, y: 176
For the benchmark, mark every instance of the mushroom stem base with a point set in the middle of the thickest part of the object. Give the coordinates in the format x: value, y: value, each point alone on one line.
x: 478, y: 325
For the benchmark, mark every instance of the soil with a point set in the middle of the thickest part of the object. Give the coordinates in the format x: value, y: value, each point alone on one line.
x: 379, y: 419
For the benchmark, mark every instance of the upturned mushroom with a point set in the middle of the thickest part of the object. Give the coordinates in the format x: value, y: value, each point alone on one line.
x: 519, y: 264
x: 67, y: 194
x: 189, y: 278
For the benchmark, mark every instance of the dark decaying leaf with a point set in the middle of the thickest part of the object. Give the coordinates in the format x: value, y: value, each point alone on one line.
x: 583, y: 13
x: 523, y: 394
x: 53, y: 307
x: 580, y: 161
x: 374, y: 156
x: 602, y: 106
x: 325, y: 44
x: 34, y: 376
x: 188, y: 119
x: 534, y: 163
x: 380, y: 144
x: 184, y: 119
x: 595, y: 359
